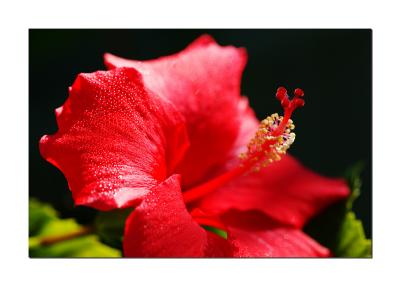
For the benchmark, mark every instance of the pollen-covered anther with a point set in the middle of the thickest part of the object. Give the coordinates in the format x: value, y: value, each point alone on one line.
x: 265, y: 147
x: 274, y: 135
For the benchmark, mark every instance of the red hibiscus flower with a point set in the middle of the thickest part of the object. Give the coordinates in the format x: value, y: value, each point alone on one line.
x: 164, y: 136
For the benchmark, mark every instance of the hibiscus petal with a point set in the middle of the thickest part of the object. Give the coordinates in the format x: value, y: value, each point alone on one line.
x: 247, y: 129
x: 161, y: 226
x: 285, y: 190
x: 276, y: 242
x: 255, y: 235
x: 116, y: 140
x: 203, y: 82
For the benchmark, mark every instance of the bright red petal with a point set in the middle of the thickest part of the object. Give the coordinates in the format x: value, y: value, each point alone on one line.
x: 217, y: 246
x: 203, y: 82
x: 162, y: 227
x: 247, y: 129
x: 115, y: 140
x: 285, y: 191
x: 255, y: 235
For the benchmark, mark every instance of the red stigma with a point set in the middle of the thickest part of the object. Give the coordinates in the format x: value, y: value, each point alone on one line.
x: 281, y: 93
x: 297, y: 102
x: 287, y: 104
x: 298, y: 92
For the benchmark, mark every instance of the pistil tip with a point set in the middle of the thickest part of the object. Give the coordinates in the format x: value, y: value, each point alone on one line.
x: 290, y: 104
x: 281, y: 93
x: 298, y: 92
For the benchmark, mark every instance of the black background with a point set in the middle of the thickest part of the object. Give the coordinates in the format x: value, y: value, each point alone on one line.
x: 333, y: 67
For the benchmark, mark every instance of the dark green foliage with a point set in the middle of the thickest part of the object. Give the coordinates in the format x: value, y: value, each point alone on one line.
x: 338, y: 228
x: 44, y: 224
x: 110, y: 226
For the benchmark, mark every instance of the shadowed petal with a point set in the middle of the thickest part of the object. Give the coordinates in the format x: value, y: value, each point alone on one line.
x: 162, y: 227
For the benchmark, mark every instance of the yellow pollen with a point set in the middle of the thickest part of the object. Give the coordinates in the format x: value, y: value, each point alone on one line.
x: 265, y: 148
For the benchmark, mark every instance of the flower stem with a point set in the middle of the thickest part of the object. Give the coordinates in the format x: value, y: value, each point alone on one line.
x: 52, y: 239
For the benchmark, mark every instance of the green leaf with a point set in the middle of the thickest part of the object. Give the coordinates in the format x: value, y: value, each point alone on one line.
x: 352, y: 176
x: 338, y: 228
x: 110, y: 226
x: 55, y: 237
x: 85, y: 246
x: 217, y: 231
x: 39, y: 215
x: 353, y: 242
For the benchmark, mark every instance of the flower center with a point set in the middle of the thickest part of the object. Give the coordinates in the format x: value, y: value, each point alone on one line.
x: 270, y: 142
